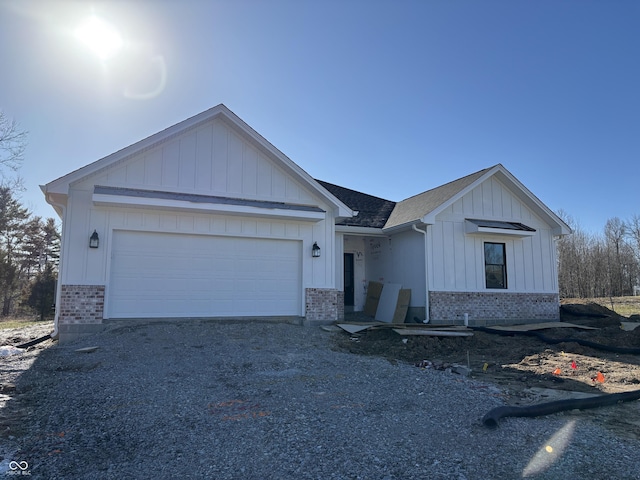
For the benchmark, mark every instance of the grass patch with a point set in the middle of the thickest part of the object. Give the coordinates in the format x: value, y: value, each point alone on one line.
x: 13, y: 322
x: 625, y: 306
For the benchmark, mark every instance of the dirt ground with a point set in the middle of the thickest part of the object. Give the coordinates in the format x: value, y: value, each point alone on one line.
x: 526, y: 369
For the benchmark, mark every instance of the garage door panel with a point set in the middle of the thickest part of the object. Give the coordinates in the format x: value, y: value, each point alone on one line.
x: 173, y: 275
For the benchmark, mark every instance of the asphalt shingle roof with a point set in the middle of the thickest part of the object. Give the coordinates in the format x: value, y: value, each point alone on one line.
x: 377, y: 212
x: 416, y: 207
x: 372, y: 211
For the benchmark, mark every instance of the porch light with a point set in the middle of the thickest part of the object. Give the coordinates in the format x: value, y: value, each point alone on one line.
x: 94, y: 240
x: 315, y: 250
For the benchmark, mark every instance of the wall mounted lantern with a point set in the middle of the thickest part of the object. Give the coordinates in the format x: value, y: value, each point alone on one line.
x: 315, y: 250
x: 94, y: 240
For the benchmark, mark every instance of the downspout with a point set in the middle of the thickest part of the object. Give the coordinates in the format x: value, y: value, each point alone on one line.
x: 56, y: 318
x: 426, y: 273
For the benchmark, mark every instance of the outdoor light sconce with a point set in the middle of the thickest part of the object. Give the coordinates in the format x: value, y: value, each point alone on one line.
x: 315, y: 250
x: 94, y: 240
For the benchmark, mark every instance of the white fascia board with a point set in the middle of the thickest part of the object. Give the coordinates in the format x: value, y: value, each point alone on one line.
x: 533, y: 202
x: 341, y: 209
x: 221, y: 209
x: 530, y: 200
x: 367, y: 231
x: 61, y: 185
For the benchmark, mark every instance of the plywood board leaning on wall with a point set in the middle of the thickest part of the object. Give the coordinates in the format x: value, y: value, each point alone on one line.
x: 374, y: 290
x: 402, y: 305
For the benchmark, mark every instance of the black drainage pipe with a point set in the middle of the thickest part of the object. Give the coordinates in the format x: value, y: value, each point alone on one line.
x: 491, y: 418
x: 34, y: 342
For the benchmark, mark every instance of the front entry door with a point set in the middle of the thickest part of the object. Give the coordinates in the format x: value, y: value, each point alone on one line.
x: 348, y: 280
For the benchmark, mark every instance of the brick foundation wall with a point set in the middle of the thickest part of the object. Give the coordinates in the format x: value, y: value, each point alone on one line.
x: 324, y: 305
x: 81, y: 304
x: 493, y: 308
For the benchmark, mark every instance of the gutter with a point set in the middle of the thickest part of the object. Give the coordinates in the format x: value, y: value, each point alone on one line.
x: 426, y: 273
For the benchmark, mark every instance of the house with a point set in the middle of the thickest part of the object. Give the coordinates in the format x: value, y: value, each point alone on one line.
x: 207, y: 219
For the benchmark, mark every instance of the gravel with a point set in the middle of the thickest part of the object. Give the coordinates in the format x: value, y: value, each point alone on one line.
x: 259, y: 400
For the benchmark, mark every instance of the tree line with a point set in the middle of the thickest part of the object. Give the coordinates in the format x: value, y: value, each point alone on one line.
x: 603, y: 264
x: 29, y: 245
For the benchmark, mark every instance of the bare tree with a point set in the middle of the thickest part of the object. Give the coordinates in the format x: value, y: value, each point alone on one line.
x: 599, y: 265
x: 615, y: 231
x: 13, y: 142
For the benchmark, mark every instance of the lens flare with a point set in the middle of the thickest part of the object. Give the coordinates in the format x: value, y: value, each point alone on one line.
x: 551, y: 451
x: 102, y: 38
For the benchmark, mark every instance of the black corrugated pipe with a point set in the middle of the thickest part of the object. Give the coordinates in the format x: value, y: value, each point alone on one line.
x: 34, y: 342
x: 491, y: 418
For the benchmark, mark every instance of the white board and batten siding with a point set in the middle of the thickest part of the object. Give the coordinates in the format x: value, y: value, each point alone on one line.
x: 457, y: 258
x: 211, y: 159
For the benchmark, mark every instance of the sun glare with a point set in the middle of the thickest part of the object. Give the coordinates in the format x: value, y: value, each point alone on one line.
x: 100, y: 37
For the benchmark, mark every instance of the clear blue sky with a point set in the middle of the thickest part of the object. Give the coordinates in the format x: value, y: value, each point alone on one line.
x: 391, y: 98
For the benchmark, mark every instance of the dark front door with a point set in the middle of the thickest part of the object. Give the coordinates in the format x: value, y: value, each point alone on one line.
x: 348, y: 279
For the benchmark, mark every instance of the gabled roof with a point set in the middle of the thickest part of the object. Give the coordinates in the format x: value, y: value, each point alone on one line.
x: 424, y: 207
x: 413, y: 209
x: 373, y: 212
x: 58, y: 189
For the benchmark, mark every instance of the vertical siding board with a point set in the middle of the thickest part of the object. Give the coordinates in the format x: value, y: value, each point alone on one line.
x: 547, y: 268
x: 117, y: 176
x: 471, y: 267
x: 438, y: 257
x: 135, y: 172
x: 264, y: 171
x: 234, y: 164
x: 204, y: 158
x: 250, y: 171
x: 153, y: 168
x: 292, y: 190
x: 220, y: 154
x: 187, y: 162
x: 278, y: 183
x: 487, y: 204
x: 449, y: 258
x: 518, y: 270
x: 476, y: 201
x: 170, y: 164
x: 496, y: 200
x: 459, y: 257
x: 507, y: 202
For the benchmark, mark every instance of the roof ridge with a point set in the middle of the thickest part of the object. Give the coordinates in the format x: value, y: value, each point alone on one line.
x: 323, y: 183
x: 484, y: 170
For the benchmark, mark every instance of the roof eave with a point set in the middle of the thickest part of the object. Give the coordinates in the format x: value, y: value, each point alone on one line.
x: 353, y: 230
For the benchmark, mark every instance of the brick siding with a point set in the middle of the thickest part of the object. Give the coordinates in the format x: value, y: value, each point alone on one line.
x: 324, y: 304
x: 493, y: 308
x: 81, y: 304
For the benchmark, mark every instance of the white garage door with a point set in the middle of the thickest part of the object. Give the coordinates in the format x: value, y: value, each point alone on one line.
x: 174, y: 275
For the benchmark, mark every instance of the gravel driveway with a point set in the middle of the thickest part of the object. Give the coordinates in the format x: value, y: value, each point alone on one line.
x: 258, y: 400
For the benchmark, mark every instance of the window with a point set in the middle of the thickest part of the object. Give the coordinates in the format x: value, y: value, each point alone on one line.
x: 495, y: 265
